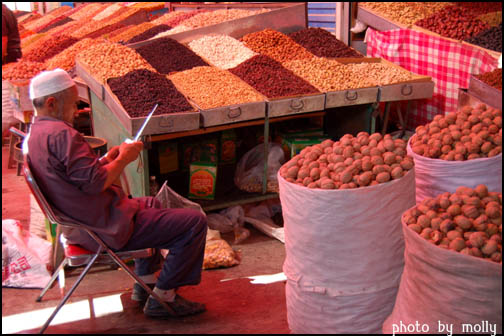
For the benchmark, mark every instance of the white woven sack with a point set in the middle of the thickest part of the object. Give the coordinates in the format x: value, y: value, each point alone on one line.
x: 440, y: 286
x: 436, y: 176
x: 344, y: 243
x: 312, y: 313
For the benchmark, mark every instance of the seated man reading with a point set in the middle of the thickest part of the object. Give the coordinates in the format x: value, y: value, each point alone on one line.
x: 81, y: 186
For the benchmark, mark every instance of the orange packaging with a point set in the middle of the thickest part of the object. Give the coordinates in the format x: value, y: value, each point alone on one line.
x: 202, y: 179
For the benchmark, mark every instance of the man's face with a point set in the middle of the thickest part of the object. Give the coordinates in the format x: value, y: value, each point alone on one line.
x: 70, y: 105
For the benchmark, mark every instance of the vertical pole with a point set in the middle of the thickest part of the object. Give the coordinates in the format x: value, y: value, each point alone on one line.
x: 266, y: 147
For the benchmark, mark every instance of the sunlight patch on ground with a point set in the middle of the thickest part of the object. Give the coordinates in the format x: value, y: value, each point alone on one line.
x: 70, y: 312
x: 263, y: 279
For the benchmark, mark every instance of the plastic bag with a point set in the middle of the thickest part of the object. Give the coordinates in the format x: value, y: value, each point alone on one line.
x: 236, y: 215
x: 170, y: 199
x: 25, y: 257
x: 218, y: 253
x: 250, y: 170
x: 220, y: 223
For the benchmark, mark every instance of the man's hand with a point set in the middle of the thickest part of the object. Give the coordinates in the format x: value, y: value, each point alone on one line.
x: 118, y: 158
x: 129, y: 151
x: 113, y: 153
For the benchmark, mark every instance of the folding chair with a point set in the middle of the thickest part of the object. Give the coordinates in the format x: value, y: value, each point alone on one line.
x: 77, y: 256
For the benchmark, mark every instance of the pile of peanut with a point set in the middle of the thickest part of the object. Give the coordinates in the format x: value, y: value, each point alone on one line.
x: 492, y: 19
x: 221, y: 51
x: 276, y: 45
x: 406, y: 13
x: 468, y: 221
x: 21, y: 70
x: 49, y: 47
x: 329, y: 75
x: 29, y: 40
x: 88, y: 28
x: 88, y: 11
x: 211, y: 87
x: 107, y: 60
x: 471, y: 133
x: 132, y: 32
x: 351, y: 162
x: 66, y: 59
x: 108, y: 11
x: 163, y: 19
x: 219, y: 16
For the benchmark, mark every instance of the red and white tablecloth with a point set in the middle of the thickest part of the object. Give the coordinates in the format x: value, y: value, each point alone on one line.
x: 450, y: 64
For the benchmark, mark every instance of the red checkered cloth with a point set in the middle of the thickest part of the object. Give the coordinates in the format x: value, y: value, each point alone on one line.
x: 448, y: 63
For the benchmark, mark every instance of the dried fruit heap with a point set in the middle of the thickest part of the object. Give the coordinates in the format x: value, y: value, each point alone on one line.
x: 492, y: 78
x: 276, y: 45
x: 50, y: 48
x: 271, y: 79
x: 139, y: 90
x: 322, y: 43
x: 167, y: 55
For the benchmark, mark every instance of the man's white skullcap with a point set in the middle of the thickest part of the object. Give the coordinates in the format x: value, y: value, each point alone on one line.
x: 48, y: 82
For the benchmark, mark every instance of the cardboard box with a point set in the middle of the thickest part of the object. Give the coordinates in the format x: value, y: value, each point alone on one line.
x: 168, y: 157
x: 202, y: 180
x: 199, y: 149
x: 228, y: 147
x: 292, y: 146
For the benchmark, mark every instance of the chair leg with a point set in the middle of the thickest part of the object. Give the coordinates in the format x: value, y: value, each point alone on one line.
x: 54, y: 276
x: 137, y: 279
x: 70, y: 292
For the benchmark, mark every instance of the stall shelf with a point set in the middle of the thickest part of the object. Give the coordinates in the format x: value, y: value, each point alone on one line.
x: 377, y: 21
x: 112, y: 123
x: 288, y: 19
x: 164, y: 123
x: 485, y: 93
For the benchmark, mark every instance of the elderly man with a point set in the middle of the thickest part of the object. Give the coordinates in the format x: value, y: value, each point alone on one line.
x: 81, y: 186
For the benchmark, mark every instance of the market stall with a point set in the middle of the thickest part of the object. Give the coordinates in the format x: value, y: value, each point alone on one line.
x: 434, y: 39
x: 243, y: 97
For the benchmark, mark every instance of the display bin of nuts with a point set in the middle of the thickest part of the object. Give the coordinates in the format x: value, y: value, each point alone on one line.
x: 94, y: 85
x: 485, y: 92
x: 361, y: 95
x: 401, y: 84
x: 82, y: 89
x: 377, y: 20
x: 453, y: 262
x: 459, y: 148
x: 293, y: 105
x: 273, y: 19
x: 492, y: 53
x: 345, y: 198
x: 231, y: 114
x: 159, y: 124
x: 343, y: 85
x: 220, y: 96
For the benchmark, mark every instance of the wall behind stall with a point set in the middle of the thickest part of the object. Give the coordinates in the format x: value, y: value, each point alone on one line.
x: 23, y: 6
x: 332, y: 16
